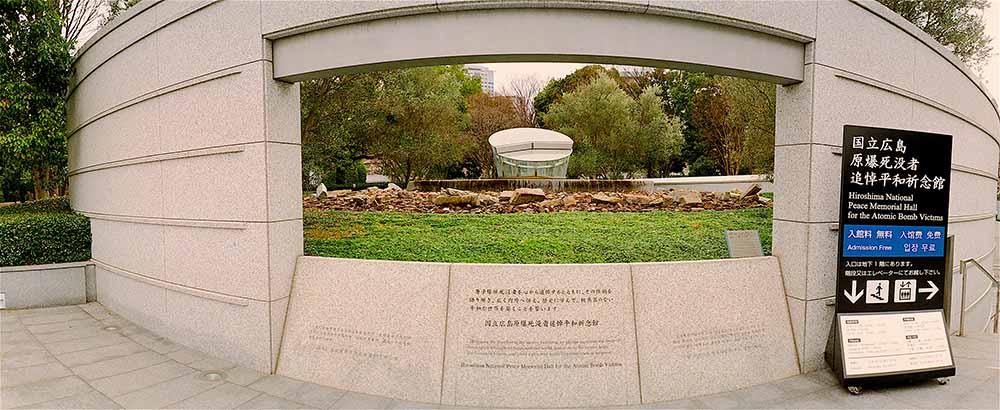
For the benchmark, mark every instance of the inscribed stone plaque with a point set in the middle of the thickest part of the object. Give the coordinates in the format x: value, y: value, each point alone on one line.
x: 743, y: 244
x: 540, y: 336
x: 711, y: 326
x: 369, y: 326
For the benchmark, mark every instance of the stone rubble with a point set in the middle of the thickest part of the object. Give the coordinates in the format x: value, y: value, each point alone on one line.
x: 531, y: 200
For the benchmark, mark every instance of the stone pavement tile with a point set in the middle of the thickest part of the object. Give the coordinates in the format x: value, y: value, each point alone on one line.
x: 267, y: 401
x: 88, y: 400
x: 116, y: 320
x: 353, y: 400
x: 42, y: 391
x: 57, y: 318
x: 96, y: 310
x: 31, y: 374
x: 11, y: 325
x: 930, y: 394
x: 163, y: 394
x: 79, y: 332
x: 128, y: 330
x: 314, y: 395
x: 48, y: 311
x: 801, y: 385
x: 974, y: 368
x: 225, y: 396
x: 763, y: 396
x: 95, y: 355
x: 673, y: 404
x: 187, y: 356
x: 984, y: 396
x: 15, y: 360
x: 211, y: 363
x: 309, y: 394
x: 24, y: 345
x: 837, y: 397
x: 76, y: 345
x: 17, y: 337
x: 61, y: 326
x: 275, y: 385
x: 118, y: 365
x: 155, y: 343
x: 120, y: 384
x: 242, y: 376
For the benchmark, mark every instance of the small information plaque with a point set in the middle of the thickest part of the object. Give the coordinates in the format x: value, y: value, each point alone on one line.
x: 893, y: 343
x: 743, y: 244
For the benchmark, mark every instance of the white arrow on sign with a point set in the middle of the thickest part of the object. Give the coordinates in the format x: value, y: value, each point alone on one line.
x: 933, y: 290
x: 854, y: 295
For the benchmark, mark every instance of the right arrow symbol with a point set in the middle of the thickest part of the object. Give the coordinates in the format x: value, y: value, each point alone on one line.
x: 854, y: 295
x: 933, y: 290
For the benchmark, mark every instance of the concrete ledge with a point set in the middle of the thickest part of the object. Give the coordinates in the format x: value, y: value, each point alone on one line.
x: 708, y: 184
x: 36, y: 286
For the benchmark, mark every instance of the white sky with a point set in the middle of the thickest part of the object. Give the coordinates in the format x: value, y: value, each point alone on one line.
x: 504, y: 73
x: 991, y: 72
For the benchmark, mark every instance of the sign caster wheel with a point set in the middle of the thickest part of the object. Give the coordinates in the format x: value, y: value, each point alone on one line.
x: 943, y: 381
x: 855, y: 390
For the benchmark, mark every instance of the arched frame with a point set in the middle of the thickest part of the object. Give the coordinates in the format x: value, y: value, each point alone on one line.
x: 184, y: 131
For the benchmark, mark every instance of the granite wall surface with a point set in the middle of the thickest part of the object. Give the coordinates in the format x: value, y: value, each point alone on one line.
x: 538, y: 335
x: 184, y: 143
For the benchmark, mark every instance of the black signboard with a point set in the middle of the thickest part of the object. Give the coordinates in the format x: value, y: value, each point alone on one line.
x: 891, y: 261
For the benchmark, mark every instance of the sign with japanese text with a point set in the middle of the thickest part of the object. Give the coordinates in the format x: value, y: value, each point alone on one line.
x: 891, y: 265
x: 893, y: 220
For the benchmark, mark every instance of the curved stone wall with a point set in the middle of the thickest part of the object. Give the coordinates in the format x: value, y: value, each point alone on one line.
x: 184, y: 148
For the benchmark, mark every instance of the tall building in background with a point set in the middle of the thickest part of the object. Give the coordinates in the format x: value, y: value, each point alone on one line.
x: 484, y: 74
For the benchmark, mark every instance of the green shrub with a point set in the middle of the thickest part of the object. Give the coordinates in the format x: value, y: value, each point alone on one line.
x: 60, y: 204
x: 42, y: 232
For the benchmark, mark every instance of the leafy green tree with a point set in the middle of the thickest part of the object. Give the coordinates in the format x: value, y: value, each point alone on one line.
x: 956, y: 24
x: 34, y: 75
x: 116, y: 7
x: 613, y: 134
x: 419, y: 122
x: 553, y: 91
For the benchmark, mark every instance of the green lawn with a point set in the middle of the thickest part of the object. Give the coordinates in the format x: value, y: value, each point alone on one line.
x: 565, y: 237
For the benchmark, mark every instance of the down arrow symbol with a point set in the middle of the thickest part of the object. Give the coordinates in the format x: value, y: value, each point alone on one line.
x: 854, y: 295
x: 933, y: 290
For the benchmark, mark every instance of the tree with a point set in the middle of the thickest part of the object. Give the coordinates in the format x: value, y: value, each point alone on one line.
x: 956, y: 24
x: 487, y: 115
x: 419, y: 121
x: 753, y: 108
x: 613, y: 134
x: 712, y: 115
x: 116, y: 7
x: 76, y: 16
x: 522, y: 92
x: 35, y: 73
x: 553, y: 92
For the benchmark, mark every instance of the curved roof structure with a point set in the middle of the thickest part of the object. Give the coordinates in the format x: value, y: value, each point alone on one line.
x: 531, y: 144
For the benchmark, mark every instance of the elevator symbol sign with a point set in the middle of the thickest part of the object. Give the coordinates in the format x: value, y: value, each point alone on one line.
x: 876, y: 291
x: 906, y: 291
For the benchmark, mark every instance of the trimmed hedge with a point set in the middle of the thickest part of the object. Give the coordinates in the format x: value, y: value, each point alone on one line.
x: 41, y: 232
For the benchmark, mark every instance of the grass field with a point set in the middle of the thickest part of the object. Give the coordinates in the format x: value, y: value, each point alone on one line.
x: 565, y: 237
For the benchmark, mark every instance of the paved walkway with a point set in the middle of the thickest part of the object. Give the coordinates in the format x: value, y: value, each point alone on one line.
x: 68, y: 357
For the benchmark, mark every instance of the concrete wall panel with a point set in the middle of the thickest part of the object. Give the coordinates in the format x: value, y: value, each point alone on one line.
x: 221, y: 35
x: 142, y: 252
x: 138, y: 302
x: 227, y: 187
x: 113, y: 43
x: 126, y: 191
x: 798, y: 17
x: 119, y: 80
x: 280, y: 15
x: 124, y: 134
x: 228, y: 261
x: 245, y: 338
x: 844, y: 39
x: 224, y: 111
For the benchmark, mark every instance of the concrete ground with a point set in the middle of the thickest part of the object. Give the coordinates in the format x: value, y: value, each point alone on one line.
x: 68, y: 357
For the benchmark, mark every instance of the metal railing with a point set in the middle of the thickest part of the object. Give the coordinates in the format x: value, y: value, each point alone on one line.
x: 995, y: 317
